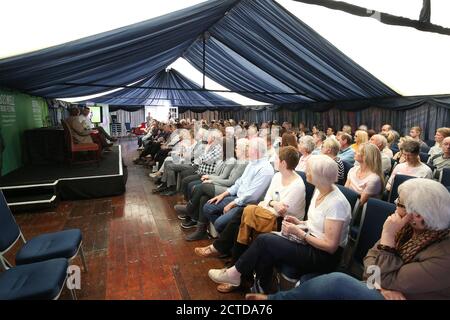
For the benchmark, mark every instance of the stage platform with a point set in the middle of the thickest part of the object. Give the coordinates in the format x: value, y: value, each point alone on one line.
x: 37, y: 186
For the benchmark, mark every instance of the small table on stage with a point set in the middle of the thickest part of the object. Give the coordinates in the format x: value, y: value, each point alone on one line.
x: 45, y: 145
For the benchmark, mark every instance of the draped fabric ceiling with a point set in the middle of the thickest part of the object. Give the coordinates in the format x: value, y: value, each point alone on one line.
x: 141, y: 95
x: 255, y: 46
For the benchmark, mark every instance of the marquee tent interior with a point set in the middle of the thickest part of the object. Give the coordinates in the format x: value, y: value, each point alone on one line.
x: 258, y: 49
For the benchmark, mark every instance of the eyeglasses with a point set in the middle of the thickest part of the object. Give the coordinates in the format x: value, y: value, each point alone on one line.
x: 398, y: 204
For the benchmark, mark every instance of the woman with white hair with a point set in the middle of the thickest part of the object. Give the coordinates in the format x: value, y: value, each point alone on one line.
x: 314, y: 245
x: 306, y: 146
x: 330, y: 147
x: 412, y: 256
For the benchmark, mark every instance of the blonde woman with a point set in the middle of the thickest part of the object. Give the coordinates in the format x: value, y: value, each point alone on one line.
x: 361, y: 137
x: 367, y: 178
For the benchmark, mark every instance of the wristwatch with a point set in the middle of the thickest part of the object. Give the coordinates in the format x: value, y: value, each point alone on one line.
x: 306, y: 234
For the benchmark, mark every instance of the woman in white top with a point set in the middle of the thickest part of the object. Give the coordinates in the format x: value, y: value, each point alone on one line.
x: 412, y: 165
x: 320, y: 239
x: 285, y: 196
x: 305, y: 146
x: 367, y: 178
x: 440, y: 135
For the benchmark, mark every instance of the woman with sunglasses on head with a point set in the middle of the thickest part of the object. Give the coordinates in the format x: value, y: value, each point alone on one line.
x: 412, y: 256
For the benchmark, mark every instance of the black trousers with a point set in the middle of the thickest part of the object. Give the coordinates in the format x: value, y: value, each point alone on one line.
x: 151, y: 148
x: 226, y: 243
x: 270, y: 250
x: 161, y: 155
x: 187, y: 176
x: 200, y: 195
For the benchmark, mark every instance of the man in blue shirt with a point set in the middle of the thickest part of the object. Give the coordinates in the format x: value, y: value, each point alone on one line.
x: 346, y: 152
x: 249, y: 188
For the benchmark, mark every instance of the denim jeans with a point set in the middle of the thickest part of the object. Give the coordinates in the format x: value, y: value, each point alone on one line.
x: 214, y: 213
x: 332, y: 286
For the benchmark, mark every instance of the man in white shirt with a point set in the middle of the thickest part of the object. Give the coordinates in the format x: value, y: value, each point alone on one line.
x: 85, y: 120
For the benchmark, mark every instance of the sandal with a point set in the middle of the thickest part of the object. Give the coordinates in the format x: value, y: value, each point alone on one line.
x: 206, y: 252
x: 226, y: 288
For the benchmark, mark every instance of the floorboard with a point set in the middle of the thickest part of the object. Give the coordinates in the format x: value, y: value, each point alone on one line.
x: 134, y: 245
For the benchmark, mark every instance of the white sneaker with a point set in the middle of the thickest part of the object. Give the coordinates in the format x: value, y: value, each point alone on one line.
x: 221, y: 276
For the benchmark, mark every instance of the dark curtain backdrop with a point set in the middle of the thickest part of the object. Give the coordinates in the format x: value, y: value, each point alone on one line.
x: 428, y: 117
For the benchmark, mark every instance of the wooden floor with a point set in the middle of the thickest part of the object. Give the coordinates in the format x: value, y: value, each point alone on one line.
x: 134, y: 245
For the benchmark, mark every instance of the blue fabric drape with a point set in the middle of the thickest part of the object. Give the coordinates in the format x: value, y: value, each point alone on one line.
x: 117, y: 57
x: 236, y: 73
x: 277, y: 43
x: 428, y: 117
x: 160, y: 95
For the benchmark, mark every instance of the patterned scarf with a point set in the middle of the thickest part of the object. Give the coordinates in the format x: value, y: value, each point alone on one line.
x: 408, y: 246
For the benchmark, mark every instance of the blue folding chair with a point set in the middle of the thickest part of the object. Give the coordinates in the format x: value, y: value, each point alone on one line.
x: 347, y: 167
x: 398, y: 180
x: 43, y: 280
x: 64, y: 244
x: 352, y: 198
x: 374, y: 214
x: 444, y: 177
x: 309, y: 191
x: 424, y: 157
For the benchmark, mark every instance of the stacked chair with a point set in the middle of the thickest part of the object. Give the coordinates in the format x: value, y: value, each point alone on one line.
x: 41, y: 264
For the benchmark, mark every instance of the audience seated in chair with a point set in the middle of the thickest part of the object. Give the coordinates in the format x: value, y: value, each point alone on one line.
x: 305, y: 146
x: 346, y: 152
x: 412, y: 166
x: 211, y: 186
x: 330, y: 147
x: 440, y: 135
x: 249, y: 188
x: 316, y: 249
x: 442, y: 160
x: 285, y: 196
x: 412, y: 254
x: 366, y: 178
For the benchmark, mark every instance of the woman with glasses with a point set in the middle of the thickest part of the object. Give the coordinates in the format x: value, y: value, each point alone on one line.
x: 412, y: 257
x: 412, y: 165
x: 361, y: 137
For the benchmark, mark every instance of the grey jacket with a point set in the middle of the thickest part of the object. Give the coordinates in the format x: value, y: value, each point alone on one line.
x: 223, y: 169
x: 222, y: 184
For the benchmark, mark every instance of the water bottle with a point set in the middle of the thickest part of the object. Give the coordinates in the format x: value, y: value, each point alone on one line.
x: 277, y: 196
